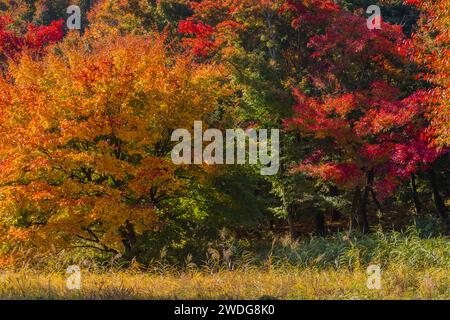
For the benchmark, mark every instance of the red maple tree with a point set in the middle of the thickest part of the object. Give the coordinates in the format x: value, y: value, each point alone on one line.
x: 370, y: 134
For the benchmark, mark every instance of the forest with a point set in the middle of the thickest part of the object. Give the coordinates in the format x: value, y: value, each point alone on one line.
x: 351, y: 108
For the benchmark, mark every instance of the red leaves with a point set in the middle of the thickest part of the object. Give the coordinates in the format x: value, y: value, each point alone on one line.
x: 311, y: 12
x: 10, y: 43
x: 372, y: 128
x: 40, y: 36
x: 378, y: 108
x: 346, y: 174
x: 346, y: 39
x: 203, y: 43
x: 198, y: 29
x: 363, y: 128
x: 413, y: 2
x: 34, y: 40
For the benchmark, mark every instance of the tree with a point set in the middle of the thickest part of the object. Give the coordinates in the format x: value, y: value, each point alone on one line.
x: 429, y: 47
x: 362, y: 120
x: 85, y: 138
x: 368, y: 141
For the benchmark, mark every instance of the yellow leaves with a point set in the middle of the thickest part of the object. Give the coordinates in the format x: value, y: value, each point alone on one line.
x: 84, y: 131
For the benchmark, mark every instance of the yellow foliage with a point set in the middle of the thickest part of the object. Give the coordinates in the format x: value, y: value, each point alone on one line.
x: 85, y: 134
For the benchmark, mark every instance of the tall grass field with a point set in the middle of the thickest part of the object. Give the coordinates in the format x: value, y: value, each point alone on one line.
x: 411, y: 267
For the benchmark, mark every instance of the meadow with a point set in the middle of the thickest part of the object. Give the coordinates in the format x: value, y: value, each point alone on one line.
x: 411, y: 268
x: 399, y: 282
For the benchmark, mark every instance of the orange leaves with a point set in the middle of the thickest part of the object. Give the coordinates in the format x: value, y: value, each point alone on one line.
x: 84, y: 132
x: 342, y: 105
x: 346, y: 174
x: 430, y: 49
x: 6, y: 260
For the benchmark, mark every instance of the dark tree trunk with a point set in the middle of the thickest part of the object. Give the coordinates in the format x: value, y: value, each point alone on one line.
x: 271, y: 225
x: 417, y: 203
x: 375, y: 199
x: 438, y: 201
x: 355, y: 204
x: 129, y: 240
x: 319, y: 220
x: 291, y: 222
x: 335, y: 214
x: 363, y: 222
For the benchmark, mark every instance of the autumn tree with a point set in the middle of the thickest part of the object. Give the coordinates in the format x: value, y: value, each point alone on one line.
x: 430, y: 48
x: 370, y: 128
x: 86, y: 138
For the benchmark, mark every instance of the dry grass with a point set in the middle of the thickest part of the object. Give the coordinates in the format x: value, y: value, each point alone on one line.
x: 285, y: 283
x: 334, y: 268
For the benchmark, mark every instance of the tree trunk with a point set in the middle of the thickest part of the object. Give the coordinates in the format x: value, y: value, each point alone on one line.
x: 272, y: 225
x: 363, y: 222
x: 438, y: 201
x: 355, y: 204
x: 129, y: 240
x: 335, y: 214
x: 417, y: 203
x: 291, y: 222
x: 375, y: 199
x: 319, y: 220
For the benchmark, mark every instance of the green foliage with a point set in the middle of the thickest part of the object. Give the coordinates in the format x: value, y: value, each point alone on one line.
x: 341, y: 252
x: 382, y: 248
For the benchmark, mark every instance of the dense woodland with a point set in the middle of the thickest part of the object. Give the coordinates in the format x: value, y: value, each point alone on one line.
x: 86, y: 118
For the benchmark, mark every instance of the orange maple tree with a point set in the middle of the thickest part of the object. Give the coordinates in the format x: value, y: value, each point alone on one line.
x: 430, y: 48
x: 85, y: 140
